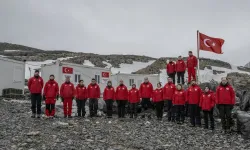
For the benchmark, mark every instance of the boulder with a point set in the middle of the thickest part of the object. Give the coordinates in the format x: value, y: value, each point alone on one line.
x: 243, y: 123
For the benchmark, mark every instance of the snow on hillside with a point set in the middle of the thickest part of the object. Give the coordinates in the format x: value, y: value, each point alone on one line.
x: 2, y: 56
x: 88, y: 63
x: 11, y: 50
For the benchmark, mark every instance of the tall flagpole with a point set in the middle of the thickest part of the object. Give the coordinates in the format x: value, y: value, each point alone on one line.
x: 198, y: 56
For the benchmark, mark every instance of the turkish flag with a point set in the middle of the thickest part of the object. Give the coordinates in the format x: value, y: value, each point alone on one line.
x: 211, y: 44
x: 105, y: 74
x: 67, y: 70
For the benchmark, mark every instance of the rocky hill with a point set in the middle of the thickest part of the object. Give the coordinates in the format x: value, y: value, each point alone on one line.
x: 20, y: 52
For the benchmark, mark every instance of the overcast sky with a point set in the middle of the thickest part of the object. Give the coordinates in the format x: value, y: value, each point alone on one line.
x: 155, y: 28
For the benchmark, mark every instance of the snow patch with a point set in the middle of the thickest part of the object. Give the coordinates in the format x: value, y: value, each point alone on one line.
x: 11, y: 50
x: 2, y: 56
x: 106, y: 63
x: 88, y: 63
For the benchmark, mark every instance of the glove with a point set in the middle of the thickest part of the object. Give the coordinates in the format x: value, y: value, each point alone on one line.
x: 44, y: 98
x: 57, y: 97
x: 62, y: 99
x: 73, y: 98
x: 231, y: 107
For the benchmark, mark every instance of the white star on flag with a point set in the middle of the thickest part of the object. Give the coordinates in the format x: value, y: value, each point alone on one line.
x: 213, y: 44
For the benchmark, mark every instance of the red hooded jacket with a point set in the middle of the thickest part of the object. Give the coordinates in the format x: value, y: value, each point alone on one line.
x: 94, y: 91
x: 191, y: 62
x: 207, y: 101
x: 179, y: 97
x: 171, y: 67
x: 67, y: 90
x: 180, y: 66
x: 225, y: 95
x: 81, y: 92
x: 133, y: 96
x: 109, y: 93
x: 157, y: 95
x: 35, y: 85
x: 121, y: 93
x: 168, y: 91
x: 193, y: 94
x: 51, y: 89
x: 146, y: 90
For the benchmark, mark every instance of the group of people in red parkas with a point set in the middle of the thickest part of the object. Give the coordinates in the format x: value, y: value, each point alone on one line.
x: 180, y: 66
x: 173, y: 97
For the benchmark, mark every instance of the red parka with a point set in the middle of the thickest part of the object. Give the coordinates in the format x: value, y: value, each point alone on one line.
x: 207, y: 101
x: 67, y: 90
x: 180, y: 66
x: 51, y: 89
x: 94, y: 91
x: 168, y: 91
x: 35, y: 85
x: 157, y: 95
x: 191, y: 62
x: 225, y: 95
x: 171, y: 67
x: 179, y: 97
x: 133, y: 96
x: 81, y: 92
x: 121, y: 93
x: 193, y: 94
x: 109, y: 93
x: 146, y: 90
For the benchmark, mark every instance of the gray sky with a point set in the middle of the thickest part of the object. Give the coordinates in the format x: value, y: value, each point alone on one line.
x: 155, y: 28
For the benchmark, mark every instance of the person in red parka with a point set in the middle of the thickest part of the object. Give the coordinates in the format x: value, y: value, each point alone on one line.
x: 134, y: 100
x: 67, y: 93
x: 146, y: 90
x: 51, y: 93
x: 109, y: 97
x: 180, y: 68
x: 225, y: 99
x: 93, y: 95
x: 121, y: 96
x: 157, y: 99
x: 81, y: 98
x: 171, y: 69
x: 179, y: 99
x: 207, y: 103
x: 35, y: 85
x: 168, y: 91
x: 191, y: 66
x: 193, y: 99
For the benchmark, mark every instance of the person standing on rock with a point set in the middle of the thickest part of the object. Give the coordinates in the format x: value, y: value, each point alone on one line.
x: 171, y: 71
x: 93, y: 95
x: 109, y: 97
x: 168, y: 91
x: 225, y: 99
x: 193, y: 99
x: 191, y: 66
x: 180, y: 69
x: 157, y: 99
x: 207, y: 103
x: 67, y: 93
x: 179, y: 99
x: 35, y: 85
x: 50, y: 93
x: 121, y: 96
x: 146, y: 91
x: 134, y: 100
x: 81, y: 98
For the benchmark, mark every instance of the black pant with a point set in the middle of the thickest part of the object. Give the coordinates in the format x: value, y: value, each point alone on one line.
x: 81, y: 107
x: 159, y: 109
x: 146, y: 103
x: 93, y: 107
x: 180, y: 77
x: 179, y: 113
x: 133, y: 109
x: 186, y: 110
x: 169, y: 106
x: 172, y: 75
x: 211, y: 117
x: 121, y: 108
x: 36, y: 103
x: 109, y: 106
x: 195, y: 116
x: 225, y: 115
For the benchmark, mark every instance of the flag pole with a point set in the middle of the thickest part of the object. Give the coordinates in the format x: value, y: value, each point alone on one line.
x: 198, y: 56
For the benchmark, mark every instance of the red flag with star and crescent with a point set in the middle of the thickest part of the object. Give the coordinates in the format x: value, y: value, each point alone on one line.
x: 67, y: 70
x: 211, y: 44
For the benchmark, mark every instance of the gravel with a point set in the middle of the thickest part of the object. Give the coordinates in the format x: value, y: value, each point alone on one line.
x: 20, y: 132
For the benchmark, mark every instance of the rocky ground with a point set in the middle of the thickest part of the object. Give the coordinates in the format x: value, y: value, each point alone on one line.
x: 19, y: 131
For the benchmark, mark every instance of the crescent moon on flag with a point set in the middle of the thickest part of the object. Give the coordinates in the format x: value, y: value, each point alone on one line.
x: 205, y: 42
x: 65, y: 70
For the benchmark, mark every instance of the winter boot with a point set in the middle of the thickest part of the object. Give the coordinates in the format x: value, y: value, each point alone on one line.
x: 33, y: 116
x: 38, y: 116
